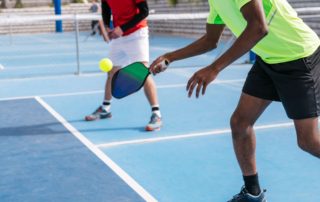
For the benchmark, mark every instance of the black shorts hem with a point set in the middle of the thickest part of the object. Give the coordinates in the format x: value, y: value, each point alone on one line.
x: 304, y: 116
x: 247, y: 91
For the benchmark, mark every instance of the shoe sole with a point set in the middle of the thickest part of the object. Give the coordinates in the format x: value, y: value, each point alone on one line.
x: 90, y: 118
x: 149, y: 129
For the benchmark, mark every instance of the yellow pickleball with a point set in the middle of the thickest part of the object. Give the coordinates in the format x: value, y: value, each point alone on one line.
x: 105, y: 65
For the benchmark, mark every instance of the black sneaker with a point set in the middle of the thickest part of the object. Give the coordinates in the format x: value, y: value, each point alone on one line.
x: 244, y: 196
x: 100, y: 113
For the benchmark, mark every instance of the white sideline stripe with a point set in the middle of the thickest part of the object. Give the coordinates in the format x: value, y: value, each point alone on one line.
x: 101, y: 91
x: 53, y: 77
x: 38, y: 55
x: 102, y: 156
x: 72, y: 64
x: 92, y: 74
x: 52, y: 95
x: 189, y: 135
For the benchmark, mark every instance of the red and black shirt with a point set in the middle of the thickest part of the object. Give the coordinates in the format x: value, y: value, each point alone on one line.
x: 130, y: 15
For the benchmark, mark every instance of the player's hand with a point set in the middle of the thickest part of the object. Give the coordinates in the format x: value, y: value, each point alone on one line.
x: 200, y: 80
x: 116, y: 33
x: 159, y: 65
x: 108, y: 30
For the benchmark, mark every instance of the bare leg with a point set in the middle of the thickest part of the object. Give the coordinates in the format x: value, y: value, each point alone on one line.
x: 150, y: 90
x: 107, y: 91
x: 308, y: 135
x: 104, y: 111
x: 244, y: 141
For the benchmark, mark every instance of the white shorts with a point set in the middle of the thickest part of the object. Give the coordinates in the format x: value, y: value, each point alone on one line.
x: 131, y: 48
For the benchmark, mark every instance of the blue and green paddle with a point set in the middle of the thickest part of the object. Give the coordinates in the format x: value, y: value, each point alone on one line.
x: 130, y: 79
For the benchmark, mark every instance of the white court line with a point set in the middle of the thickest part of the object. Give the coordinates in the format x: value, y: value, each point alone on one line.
x: 59, y: 77
x: 189, y: 135
x: 102, y: 156
x: 92, y: 74
x: 61, y: 65
x: 182, y: 85
x: 39, y: 55
x: 53, y: 95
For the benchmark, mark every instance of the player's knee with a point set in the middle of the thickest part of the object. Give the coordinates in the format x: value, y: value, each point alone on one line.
x: 238, y: 126
x: 149, y: 81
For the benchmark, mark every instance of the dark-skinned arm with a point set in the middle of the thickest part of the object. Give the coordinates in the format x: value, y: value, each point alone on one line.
x: 255, y: 31
x: 204, y: 44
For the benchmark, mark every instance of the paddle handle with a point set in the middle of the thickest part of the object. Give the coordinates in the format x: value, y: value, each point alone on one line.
x: 163, y: 65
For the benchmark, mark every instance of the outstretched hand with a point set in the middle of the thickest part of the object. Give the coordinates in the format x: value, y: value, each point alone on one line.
x: 200, y: 80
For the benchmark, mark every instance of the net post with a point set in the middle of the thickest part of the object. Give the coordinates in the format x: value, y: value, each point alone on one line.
x: 57, y: 11
x: 10, y: 29
x: 76, y: 31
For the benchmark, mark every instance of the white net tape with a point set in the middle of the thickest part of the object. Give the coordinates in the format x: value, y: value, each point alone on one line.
x: 16, y: 19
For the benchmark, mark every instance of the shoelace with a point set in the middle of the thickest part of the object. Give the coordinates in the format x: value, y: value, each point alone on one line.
x: 240, y: 195
x: 100, y: 110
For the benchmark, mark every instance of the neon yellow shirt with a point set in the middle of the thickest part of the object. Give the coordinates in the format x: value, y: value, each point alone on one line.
x: 289, y: 38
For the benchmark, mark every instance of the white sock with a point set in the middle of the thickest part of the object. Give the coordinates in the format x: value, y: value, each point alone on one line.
x: 106, y: 105
x: 156, y: 109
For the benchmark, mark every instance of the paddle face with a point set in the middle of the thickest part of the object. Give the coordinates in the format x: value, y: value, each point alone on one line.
x: 129, y: 80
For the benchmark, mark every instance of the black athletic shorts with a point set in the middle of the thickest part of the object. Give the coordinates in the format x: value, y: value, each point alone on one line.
x: 296, y: 84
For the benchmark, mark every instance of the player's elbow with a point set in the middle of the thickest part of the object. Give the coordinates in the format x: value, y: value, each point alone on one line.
x: 261, y: 30
x: 209, y: 43
x: 143, y: 9
x: 212, y: 46
x: 144, y: 13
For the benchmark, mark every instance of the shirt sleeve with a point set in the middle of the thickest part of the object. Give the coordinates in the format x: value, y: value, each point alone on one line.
x: 213, y: 17
x: 143, y: 13
x: 106, y: 13
x: 241, y: 3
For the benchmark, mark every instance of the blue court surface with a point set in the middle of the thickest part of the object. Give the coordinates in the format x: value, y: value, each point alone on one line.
x: 49, y: 153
